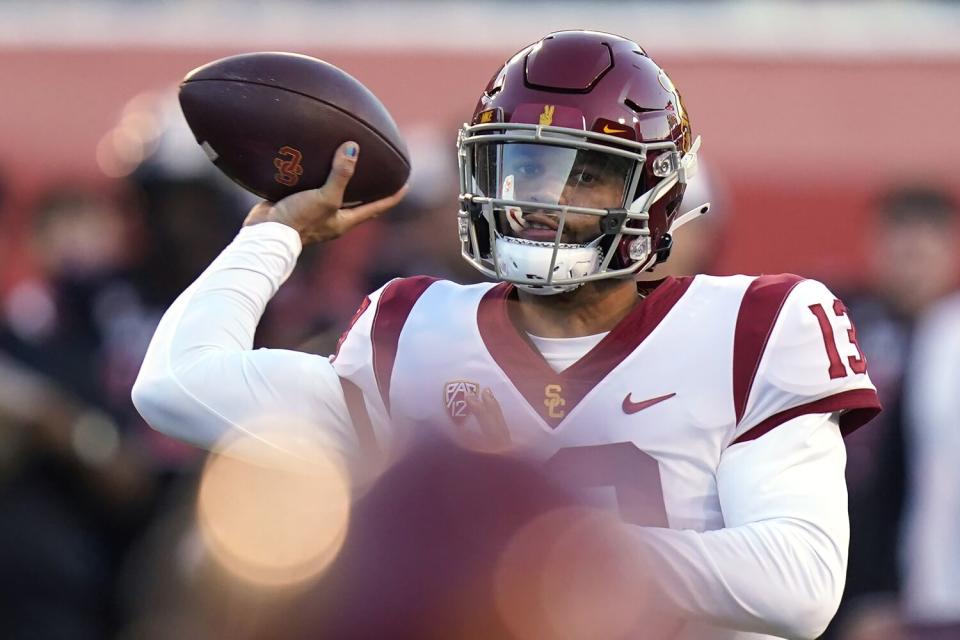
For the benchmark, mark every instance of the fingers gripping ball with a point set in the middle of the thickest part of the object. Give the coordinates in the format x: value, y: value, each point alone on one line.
x: 317, y: 215
x: 272, y: 122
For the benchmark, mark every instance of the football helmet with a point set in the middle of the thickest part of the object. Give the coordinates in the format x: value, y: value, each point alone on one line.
x: 574, y: 164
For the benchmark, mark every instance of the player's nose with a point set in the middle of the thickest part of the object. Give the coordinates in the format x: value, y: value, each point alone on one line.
x: 546, y: 189
x: 567, y: 195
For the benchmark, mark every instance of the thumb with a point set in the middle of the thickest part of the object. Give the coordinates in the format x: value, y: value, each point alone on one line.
x: 344, y: 165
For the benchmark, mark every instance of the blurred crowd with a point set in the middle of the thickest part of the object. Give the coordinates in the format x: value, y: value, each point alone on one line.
x: 98, y: 534
x: 92, y: 500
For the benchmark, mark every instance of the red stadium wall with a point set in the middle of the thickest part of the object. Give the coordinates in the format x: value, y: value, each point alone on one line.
x: 801, y: 146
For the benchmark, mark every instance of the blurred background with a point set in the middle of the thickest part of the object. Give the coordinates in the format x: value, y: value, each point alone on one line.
x: 831, y: 145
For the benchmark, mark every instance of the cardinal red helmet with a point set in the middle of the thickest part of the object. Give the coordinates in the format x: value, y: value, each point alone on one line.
x: 580, y: 123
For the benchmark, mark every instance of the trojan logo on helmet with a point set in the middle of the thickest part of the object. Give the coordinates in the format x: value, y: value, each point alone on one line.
x: 591, y: 134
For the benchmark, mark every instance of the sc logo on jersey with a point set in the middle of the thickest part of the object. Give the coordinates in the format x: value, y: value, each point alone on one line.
x: 553, y: 400
x: 288, y: 166
x: 455, y: 397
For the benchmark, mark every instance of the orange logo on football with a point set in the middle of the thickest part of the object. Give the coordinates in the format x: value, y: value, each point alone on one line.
x: 288, y: 166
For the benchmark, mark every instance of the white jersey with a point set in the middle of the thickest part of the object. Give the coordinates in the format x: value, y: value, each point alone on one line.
x: 715, y: 407
x: 700, y: 365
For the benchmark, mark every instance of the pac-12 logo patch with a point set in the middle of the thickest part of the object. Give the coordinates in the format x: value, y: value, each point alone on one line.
x: 455, y: 397
x: 288, y: 166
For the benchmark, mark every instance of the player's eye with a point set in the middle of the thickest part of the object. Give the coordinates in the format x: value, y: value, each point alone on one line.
x: 584, y: 175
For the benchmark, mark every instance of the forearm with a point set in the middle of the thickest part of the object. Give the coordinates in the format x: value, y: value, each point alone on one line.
x: 779, y: 566
x: 220, y: 311
x: 200, y: 379
x: 766, y: 577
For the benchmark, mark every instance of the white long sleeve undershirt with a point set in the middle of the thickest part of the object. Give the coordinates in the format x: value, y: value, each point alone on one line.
x: 777, y: 569
x: 201, y: 380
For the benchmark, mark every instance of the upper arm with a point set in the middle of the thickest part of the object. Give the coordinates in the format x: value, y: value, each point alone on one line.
x: 801, y: 358
x: 778, y: 565
x: 250, y: 392
x: 794, y: 472
x: 202, y: 380
x: 786, y: 491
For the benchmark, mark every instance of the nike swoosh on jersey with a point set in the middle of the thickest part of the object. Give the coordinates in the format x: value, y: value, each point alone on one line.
x: 608, y: 129
x: 632, y: 407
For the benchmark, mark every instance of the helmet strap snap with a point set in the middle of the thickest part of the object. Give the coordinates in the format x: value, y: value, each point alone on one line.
x: 475, y: 209
x: 612, y: 223
x: 664, y: 247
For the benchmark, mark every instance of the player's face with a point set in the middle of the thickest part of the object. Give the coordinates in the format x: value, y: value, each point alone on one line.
x: 561, y: 176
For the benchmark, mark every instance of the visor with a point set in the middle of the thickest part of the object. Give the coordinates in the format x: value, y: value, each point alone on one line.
x: 552, y: 175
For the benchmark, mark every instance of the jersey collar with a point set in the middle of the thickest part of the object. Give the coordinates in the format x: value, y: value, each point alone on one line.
x: 554, y: 395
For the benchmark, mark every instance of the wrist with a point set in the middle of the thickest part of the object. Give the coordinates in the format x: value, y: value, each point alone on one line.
x: 274, y: 230
x: 274, y: 212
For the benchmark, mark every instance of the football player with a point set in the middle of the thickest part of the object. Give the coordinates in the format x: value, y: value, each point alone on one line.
x: 712, y: 408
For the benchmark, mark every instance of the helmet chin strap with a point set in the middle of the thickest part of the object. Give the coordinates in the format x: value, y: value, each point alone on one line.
x: 688, y: 169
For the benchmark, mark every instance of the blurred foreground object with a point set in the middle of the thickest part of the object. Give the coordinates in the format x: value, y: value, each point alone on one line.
x: 447, y: 543
x: 272, y: 517
x: 451, y: 543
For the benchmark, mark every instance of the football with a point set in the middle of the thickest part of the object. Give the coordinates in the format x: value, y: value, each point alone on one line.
x: 272, y: 121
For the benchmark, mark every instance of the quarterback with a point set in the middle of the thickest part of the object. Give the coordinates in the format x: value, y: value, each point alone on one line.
x: 714, y: 408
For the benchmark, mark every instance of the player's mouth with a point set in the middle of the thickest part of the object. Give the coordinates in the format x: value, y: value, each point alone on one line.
x: 540, y: 227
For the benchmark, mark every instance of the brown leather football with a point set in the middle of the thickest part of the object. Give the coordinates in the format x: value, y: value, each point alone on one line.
x: 271, y: 121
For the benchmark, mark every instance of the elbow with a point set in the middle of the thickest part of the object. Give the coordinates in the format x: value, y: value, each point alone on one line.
x: 807, y: 619
x: 802, y: 600
x: 806, y: 609
x: 150, y: 399
x: 179, y: 406
x: 157, y: 400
